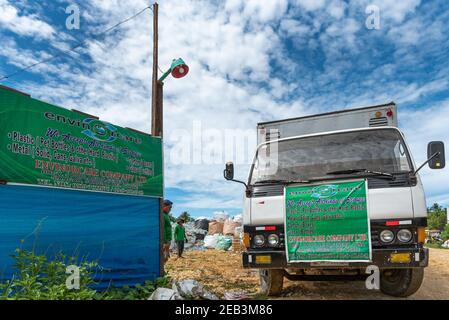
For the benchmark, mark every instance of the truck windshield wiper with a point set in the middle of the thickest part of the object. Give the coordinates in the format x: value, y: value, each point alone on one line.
x: 281, y: 181
x: 351, y: 171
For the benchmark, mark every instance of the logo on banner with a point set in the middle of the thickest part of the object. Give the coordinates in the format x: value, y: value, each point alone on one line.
x: 99, y: 130
x: 324, y: 191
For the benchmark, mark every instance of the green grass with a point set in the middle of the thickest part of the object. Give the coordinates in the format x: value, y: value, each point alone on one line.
x: 38, y: 278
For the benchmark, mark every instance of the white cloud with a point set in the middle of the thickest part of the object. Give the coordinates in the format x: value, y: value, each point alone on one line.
x: 222, y: 90
x: 201, y: 201
x: 294, y: 28
x: 24, y: 57
x: 230, y: 48
x: 393, y: 10
x: 345, y: 29
x: 264, y: 11
x: 336, y: 8
x: 421, y: 127
x: 26, y: 25
x: 311, y: 5
x: 412, y: 92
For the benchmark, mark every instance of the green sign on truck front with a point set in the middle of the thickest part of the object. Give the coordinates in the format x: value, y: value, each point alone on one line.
x: 327, y: 223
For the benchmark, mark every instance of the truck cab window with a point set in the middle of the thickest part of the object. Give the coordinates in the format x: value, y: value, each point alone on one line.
x: 401, y: 155
x: 313, y: 157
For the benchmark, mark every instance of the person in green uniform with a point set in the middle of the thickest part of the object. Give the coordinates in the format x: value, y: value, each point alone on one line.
x: 180, y: 237
x: 166, y: 208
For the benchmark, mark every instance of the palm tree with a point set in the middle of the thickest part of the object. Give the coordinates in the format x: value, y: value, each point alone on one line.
x: 185, y: 216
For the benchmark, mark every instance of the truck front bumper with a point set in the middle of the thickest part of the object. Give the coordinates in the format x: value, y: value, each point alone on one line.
x: 383, y: 258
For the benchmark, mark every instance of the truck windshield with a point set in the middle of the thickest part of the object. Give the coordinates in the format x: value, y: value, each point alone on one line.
x: 316, y: 157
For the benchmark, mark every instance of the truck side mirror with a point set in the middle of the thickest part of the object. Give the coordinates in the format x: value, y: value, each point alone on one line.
x: 229, y: 175
x: 229, y: 171
x: 435, y: 152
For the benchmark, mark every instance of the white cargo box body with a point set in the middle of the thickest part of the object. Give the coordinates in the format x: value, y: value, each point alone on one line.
x: 374, y: 116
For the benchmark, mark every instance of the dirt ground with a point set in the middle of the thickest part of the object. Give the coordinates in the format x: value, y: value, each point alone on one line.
x: 221, y: 271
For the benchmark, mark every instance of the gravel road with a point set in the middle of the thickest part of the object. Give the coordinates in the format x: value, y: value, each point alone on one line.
x: 221, y: 271
x: 434, y: 287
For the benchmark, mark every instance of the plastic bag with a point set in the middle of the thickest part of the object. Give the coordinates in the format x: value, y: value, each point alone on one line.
x: 223, y: 243
x: 202, y: 224
x: 165, y: 294
x: 236, y: 295
x: 238, y: 232
x: 239, y: 219
x: 210, y: 241
x: 192, y: 289
x: 446, y: 244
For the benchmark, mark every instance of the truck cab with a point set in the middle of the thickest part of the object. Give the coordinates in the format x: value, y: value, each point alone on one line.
x: 321, y: 153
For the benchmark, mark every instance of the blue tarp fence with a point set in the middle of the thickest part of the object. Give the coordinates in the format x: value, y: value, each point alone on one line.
x: 120, y: 232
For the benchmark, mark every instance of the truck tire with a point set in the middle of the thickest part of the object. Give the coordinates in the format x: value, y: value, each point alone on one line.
x: 271, y: 281
x: 401, y: 282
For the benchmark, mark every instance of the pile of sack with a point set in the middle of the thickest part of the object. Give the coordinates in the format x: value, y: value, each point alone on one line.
x: 217, y: 241
x: 223, y: 232
x: 223, y: 224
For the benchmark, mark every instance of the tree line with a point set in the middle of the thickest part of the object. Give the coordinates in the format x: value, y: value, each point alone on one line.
x: 437, y: 220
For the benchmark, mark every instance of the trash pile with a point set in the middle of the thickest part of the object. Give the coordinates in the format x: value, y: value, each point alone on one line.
x: 219, y: 271
x: 237, y: 295
x: 186, y: 289
x: 445, y: 244
x: 220, y: 233
x: 190, y: 289
x: 224, y: 233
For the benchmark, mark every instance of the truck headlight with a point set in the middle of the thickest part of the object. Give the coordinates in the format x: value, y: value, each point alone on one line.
x: 273, y: 240
x: 259, y: 240
x: 387, y: 236
x: 404, y: 235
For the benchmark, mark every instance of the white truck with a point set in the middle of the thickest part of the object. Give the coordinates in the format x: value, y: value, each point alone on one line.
x: 319, y: 150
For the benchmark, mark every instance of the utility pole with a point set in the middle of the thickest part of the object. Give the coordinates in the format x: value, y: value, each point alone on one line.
x: 156, y: 122
x: 156, y: 108
x: 178, y: 69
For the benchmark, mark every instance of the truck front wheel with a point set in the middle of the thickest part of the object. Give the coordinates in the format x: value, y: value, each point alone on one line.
x: 401, y: 282
x: 271, y: 281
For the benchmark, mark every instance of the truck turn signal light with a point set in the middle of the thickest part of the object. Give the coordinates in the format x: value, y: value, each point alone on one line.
x: 246, y: 240
x: 421, y: 235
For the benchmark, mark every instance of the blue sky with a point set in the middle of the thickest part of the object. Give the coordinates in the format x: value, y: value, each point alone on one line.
x: 250, y: 61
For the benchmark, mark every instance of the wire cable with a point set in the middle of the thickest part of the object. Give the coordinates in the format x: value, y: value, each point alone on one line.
x: 79, y: 44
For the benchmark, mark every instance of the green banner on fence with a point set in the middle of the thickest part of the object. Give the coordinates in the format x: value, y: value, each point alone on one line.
x: 327, y: 222
x: 41, y: 144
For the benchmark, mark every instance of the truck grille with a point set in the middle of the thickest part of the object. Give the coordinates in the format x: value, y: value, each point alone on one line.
x: 378, y: 122
x: 400, y: 181
x: 373, y: 183
x: 268, y: 191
